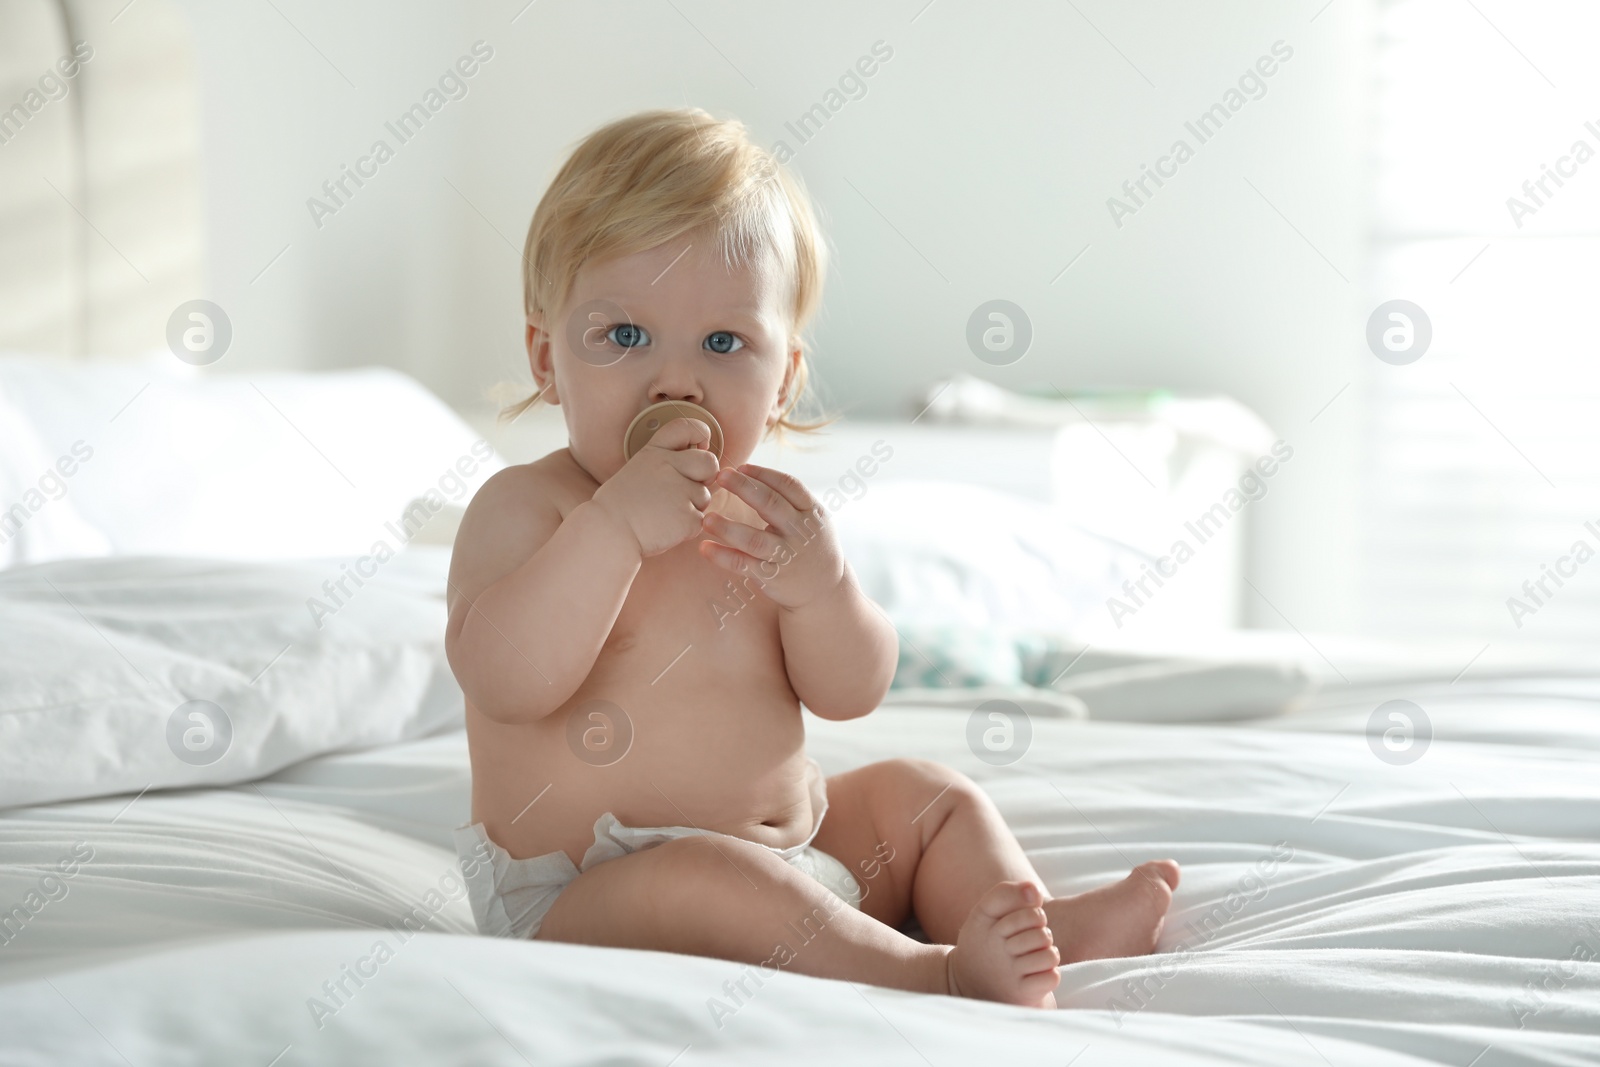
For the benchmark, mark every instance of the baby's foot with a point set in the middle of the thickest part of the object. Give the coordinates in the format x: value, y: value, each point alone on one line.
x: 1004, y: 951
x: 1121, y: 919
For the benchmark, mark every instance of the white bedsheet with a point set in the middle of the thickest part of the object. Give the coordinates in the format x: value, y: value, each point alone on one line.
x: 1427, y: 913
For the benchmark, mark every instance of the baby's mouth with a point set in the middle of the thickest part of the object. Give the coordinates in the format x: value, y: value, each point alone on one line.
x: 647, y: 422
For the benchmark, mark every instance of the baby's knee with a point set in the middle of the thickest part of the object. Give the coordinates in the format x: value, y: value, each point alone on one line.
x: 932, y: 783
x: 933, y: 778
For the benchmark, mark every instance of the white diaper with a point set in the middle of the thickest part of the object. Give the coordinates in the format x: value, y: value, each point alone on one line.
x: 510, y: 896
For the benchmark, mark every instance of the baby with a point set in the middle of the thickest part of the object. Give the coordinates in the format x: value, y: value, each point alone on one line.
x: 635, y: 636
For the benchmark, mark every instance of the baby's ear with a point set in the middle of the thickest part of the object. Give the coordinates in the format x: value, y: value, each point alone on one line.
x: 540, y: 357
x: 775, y: 413
x: 791, y: 374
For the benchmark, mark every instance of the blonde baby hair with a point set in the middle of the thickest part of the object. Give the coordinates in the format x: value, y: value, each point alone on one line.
x: 652, y: 177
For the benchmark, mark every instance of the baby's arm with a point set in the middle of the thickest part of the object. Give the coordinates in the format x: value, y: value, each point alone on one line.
x: 532, y: 598
x: 840, y: 650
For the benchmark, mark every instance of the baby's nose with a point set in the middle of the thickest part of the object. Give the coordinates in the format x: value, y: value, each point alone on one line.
x: 676, y: 379
x: 691, y: 395
x: 676, y: 389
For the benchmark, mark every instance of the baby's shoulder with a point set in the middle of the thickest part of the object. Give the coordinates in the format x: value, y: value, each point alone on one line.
x: 544, y: 487
x: 512, y: 515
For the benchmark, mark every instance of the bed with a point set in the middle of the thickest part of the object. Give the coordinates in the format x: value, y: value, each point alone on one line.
x: 1336, y: 907
x: 227, y: 780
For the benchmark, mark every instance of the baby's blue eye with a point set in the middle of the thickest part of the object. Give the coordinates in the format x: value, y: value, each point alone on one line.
x: 628, y: 335
x: 724, y: 342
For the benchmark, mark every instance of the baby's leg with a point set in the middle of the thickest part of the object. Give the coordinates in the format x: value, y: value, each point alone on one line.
x: 736, y: 900
x: 950, y: 847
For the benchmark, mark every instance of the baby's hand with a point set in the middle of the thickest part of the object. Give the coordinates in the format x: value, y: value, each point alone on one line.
x: 660, y: 493
x: 796, y: 558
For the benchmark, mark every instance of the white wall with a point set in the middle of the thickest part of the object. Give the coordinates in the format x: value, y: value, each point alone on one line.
x: 976, y: 166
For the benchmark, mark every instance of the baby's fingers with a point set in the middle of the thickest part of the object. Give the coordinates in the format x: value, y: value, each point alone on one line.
x: 729, y: 559
x: 746, y: 538
x: 682, y: 433
x: 791, y: 489
x: 696, y: 464
x: 765, y: 500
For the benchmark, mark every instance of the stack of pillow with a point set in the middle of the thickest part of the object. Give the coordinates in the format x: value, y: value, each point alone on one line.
x: 155, y: 457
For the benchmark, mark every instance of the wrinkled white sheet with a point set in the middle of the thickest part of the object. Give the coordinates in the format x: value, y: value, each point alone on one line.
x: 1335, y: 909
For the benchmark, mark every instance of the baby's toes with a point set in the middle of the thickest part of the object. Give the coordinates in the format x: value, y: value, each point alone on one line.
x: 1005, y: 950
x: 1041, y: 961
x: 1035, y: 986
x: 1164, y: 871
x: 1016, y: 922
x: 1030, y: 940
x: 1009, y: 897
x: 1153, y: 882
x: 1038, y: 990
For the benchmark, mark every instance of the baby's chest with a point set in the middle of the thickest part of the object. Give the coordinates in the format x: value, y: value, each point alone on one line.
x: 679, y: 598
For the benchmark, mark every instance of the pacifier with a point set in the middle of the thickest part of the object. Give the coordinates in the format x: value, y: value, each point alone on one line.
x: 647, y: 422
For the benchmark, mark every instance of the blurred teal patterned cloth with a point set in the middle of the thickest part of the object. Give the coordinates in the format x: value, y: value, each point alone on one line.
x: 948, y: 655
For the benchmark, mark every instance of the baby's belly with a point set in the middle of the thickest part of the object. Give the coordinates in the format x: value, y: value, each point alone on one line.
x: 721, y: 750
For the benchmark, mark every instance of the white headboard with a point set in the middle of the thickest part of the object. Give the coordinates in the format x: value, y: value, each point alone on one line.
x: 100, y: 236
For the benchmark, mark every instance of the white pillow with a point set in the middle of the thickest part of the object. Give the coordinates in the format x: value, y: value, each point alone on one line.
x: 258, y: 466
x: 115, y: 669
x: 38, y: 521
x: 1174, y: 690
x: 950, y: 552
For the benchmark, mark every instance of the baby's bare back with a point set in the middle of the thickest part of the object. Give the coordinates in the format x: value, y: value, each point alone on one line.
x: 687, y: 717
